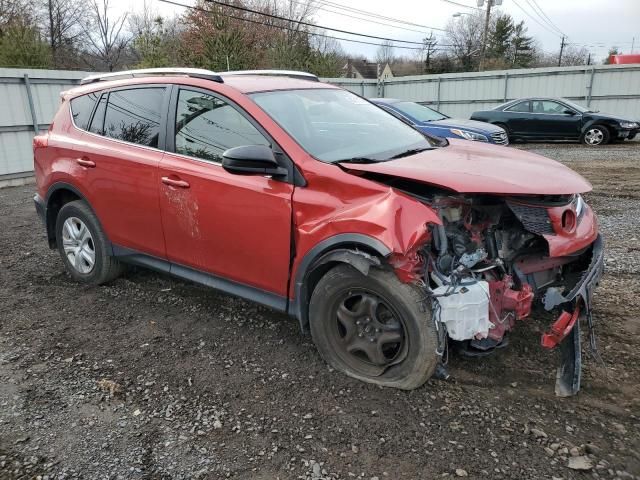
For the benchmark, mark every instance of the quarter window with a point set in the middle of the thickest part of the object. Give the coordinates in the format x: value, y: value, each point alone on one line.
x: 97, y: 121
x: 206, y: 126
x: 81, y: 109
x: 519, y: 107
x: 134, y: 115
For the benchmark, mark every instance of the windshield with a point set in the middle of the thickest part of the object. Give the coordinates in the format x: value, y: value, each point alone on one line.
x: 335, y: 125
x: 575, y: 106
x: 418, y: 112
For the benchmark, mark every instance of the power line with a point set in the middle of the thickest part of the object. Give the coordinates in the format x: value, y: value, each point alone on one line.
x: 543, y: 16
x: 282, y: 27
x: 461, y: 4
x: 536, y: 20
x: 307, y: 24
x: 325, y: 8
x: 547, y: 17
x: 376, y: 15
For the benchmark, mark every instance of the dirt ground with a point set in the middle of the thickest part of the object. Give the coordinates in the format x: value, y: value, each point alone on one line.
x: 155, y: 378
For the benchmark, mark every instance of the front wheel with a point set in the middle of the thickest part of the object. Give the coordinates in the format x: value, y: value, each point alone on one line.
x: 373, y: 327
x: 506, y: 129
x: 596, y: 135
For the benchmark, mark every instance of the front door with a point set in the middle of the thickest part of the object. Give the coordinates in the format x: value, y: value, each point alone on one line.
x: 551, y: 119
x: 231, y: 226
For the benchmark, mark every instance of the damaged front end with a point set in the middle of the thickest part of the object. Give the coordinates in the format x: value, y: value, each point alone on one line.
x: 494, y: 258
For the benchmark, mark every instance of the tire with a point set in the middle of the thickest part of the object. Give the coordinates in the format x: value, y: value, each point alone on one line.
x: 596, y: 135
x: 506, y: 129
x: 80, y: 238
x: 405, y: 336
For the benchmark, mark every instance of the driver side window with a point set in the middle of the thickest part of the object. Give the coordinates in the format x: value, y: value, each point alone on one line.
x: 206, y: 126
x: 550, y: 108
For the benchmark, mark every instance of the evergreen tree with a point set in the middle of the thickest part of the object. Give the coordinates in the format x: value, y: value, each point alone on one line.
x: 500, y: 38
x: 523, y: 47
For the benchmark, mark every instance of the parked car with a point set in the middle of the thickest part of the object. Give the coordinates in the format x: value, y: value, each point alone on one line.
x: 434, y: 123
x: 557, y: 119
x: 306, y: 198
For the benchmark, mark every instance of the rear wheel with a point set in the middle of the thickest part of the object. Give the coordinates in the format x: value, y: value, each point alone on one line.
x: 373, y: 327
x: 596, y: 135
x: 83, y: 245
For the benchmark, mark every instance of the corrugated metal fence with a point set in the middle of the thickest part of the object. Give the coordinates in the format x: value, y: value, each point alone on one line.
x: 30, y: 98
x: 28, y: 101
x: 609, y: 88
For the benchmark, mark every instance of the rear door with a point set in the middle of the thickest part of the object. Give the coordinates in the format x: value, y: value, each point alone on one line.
x: 118, y: 160
x: 517, y: 118
x: 231, y: 226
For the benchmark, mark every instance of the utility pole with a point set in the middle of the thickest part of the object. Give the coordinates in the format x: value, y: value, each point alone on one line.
x: 633, y: 42
x: 430, y: 43
x: 485, y: 34
x: 561, y: 49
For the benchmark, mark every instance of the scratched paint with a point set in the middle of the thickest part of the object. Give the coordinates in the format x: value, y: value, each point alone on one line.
x: 186, y: 210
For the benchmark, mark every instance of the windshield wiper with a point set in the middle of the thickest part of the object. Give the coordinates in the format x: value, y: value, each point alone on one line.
x: 358, y: 160
x: 411, y: 151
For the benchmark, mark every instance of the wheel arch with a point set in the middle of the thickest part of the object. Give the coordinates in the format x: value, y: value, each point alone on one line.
x: 58, y: 195
x: 358, y: 250
x: 599, y: 122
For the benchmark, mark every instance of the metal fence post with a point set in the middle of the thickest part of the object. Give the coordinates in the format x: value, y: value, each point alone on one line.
x: 32, y: 107
x: 362, y: 87
x: 438, y: 95
x: 590, y: 86
x: 506, y: 85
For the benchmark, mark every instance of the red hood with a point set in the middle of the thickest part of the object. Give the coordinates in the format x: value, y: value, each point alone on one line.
x: 472, y: 167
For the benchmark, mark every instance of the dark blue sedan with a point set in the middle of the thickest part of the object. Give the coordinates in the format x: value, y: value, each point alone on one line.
x: 435, y: 123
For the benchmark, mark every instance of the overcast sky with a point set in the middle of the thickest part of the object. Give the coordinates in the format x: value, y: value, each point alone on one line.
x: 596, y: 24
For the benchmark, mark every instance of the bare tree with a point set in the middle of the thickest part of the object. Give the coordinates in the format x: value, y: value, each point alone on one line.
x: 106, y: 38
x: 13, y: 10
x: 62, y: 22
x: 384, y: 53
x: 465, y: 36
x: 155, y: 38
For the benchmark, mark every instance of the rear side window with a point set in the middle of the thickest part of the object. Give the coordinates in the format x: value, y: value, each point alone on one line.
x: 81, y: 109
x: 519, y: 107
x: 134, y: 115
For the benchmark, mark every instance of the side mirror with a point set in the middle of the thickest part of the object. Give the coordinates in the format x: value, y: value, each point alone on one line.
x: 252, y: 160
x: 569, y: 112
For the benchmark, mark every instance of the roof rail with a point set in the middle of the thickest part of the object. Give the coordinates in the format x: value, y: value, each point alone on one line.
x: 152, y: 72
x: 275, y: 73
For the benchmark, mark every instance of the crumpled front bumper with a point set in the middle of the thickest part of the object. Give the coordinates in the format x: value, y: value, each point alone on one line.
x: 580, y: 299
x: 586, y: 285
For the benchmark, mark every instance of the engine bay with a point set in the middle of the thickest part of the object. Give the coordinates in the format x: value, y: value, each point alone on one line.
x: 488, y: 263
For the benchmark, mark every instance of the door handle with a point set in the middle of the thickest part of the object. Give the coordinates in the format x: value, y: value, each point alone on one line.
x: 85, y: 162
x: 172, y: 182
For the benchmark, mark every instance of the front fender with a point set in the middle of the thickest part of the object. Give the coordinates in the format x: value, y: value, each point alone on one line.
x: 385, y: 222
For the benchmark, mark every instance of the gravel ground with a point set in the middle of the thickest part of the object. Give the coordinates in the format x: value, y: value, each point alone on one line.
x: 153, y: 378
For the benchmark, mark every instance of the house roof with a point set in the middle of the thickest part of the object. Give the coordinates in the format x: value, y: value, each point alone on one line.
x: 366, y: 69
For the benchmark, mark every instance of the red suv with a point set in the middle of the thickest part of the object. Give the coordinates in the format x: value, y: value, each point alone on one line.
x: 389, y: 246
